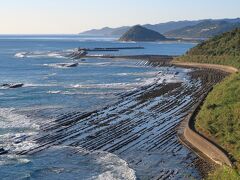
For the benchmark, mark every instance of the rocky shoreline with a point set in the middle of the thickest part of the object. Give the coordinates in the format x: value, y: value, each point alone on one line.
x: 141, y: 127
x: 148, y: 132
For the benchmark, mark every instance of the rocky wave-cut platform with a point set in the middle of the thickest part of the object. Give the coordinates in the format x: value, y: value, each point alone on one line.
x: 77, y: 54
x: 140, y: 128
x: 83, y: 52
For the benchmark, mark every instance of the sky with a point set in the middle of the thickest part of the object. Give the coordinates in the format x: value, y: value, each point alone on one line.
x: 74, y: 16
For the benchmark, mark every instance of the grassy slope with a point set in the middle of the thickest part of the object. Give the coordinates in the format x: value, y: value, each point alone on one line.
x: 223, y: 49
x: 219, y: 117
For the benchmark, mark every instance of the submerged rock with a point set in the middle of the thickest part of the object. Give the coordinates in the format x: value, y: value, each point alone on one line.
x: 78, y: 54
x: 3, y: 151
x: 10, y: 85
x: 67, y: 64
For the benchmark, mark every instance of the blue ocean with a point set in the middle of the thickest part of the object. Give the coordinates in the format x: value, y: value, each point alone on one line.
x: 50, y: 90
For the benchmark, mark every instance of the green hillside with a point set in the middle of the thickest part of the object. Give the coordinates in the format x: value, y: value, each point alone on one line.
x: 219, y: 117
x: 223, y: 49
x: 205, y: 29
x: 225, y: 44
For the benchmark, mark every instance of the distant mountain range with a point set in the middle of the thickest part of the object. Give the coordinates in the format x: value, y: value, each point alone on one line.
x: 106, y: 31
x: 139, y: 33
x: 205, y: 29
x: 176, y: 28
x: 161, y: 28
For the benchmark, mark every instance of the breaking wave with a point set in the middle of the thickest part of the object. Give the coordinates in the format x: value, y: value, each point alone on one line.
x: 40, y: 85
x: 43, y: 54
x: 14, y: 119
x: 78, y: 93
x: 21, y: 54
x: 167, y: 78
x: 15, y: 123
x: 62, y: 65
x: 62, y: 162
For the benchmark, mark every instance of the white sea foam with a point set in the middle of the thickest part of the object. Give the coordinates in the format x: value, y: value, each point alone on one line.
x: 52, y: 74
x: 152, y: 73
x: 12, y: 119
x: 39, y: 85
x: 128, y: 42
x: 56, y: 55
x: 115, y: 168
x: 14, y: 124
x: 49, y: 75
x: 94, y: 64
x: 97, y: 55
x: 105, y: 86
x: 42, y: 54
x: 21, y: 54
x: 54, y: 92
x: 79, y: 93
x: 61, y: 65
x: 158, y: 79
x: 74, y: 163
x: 17, y: 142
x: 3, y: 87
